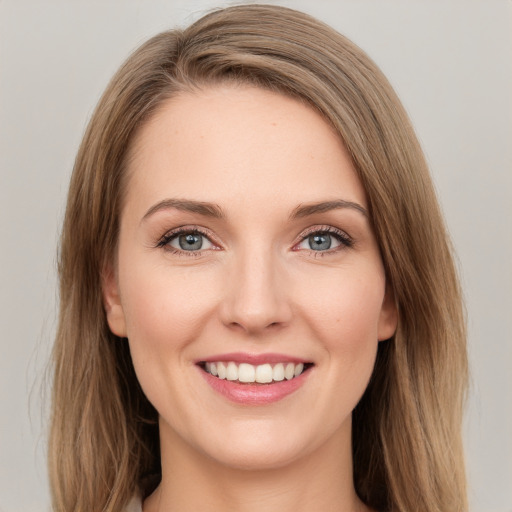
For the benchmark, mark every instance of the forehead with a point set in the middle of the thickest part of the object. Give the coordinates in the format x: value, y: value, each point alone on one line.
x: 231, y: 142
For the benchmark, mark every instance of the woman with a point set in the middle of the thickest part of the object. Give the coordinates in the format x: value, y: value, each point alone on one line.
x: 259, y: 307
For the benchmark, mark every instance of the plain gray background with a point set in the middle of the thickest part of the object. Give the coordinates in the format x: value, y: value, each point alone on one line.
x: 451, y: 63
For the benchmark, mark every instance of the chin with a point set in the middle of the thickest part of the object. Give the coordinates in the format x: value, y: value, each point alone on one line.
x: 259, y: 445
x: 257, y: 457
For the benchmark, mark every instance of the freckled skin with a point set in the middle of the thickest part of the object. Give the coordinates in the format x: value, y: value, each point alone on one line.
x: 257, y: 288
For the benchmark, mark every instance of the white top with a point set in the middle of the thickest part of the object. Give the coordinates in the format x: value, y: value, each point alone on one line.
x: 135, y: 505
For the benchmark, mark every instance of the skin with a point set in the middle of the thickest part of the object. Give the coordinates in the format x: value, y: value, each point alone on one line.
x: 256, y: 286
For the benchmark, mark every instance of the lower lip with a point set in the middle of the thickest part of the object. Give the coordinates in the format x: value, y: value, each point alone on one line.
x: 254, y: 394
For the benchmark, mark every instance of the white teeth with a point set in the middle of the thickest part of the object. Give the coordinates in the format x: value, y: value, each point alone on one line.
x: 221, y: 370
x: 278, y: 372
x: 264, y: 373
x: 247, y: 373
x: 232, y: 371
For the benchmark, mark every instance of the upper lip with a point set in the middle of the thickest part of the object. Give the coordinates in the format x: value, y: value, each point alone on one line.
x: 254, y: 359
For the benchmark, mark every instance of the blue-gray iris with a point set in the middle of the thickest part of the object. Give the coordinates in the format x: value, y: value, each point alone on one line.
x: 190, y: 242
x: 320, y: 242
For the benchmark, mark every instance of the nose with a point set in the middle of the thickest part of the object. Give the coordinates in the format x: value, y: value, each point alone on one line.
x: 256, y: 296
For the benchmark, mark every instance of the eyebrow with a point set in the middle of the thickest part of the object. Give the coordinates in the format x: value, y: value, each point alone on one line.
x: 187, y: 205
x: 215, y: 211
x: 305, y: 210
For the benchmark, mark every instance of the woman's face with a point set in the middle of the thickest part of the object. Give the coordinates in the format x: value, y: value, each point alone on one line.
x: 245, y: 251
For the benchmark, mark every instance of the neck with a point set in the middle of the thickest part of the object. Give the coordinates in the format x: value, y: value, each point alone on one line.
x: 191, y: 481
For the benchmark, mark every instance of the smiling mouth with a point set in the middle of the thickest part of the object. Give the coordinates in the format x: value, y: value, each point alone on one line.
x: 245, y: 373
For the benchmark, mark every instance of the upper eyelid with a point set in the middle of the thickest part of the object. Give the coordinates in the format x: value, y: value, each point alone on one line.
x: 323, y: 229
x: 168, y: 235
x: 187, y: 229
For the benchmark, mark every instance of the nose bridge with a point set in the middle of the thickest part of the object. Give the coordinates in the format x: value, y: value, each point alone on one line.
x: 256, y: 295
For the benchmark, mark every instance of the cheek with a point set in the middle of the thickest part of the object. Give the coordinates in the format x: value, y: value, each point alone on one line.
x: 342, y: 314
x: 165, y: 313
x: 160, y: 303
x: 345, y: 321
x: 346, y: 307
x: 166, y: 310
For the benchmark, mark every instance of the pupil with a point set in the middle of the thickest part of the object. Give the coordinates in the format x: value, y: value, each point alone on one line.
x: 190, y: 242
x: 320, y: 242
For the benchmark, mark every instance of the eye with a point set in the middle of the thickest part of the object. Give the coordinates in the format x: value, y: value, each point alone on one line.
x: 190, y: 242
x: 325, y: 240
x: 186, y: 240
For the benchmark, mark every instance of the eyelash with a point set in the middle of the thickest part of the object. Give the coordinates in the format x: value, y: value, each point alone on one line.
x: 346, y: 242
x: 189, y: 230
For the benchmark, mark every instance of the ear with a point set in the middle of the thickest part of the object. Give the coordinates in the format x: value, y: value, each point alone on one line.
x: 112, y: 302
x: 388, y: 319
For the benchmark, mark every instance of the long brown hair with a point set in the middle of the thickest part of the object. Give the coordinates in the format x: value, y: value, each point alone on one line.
x: 407, y: 427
